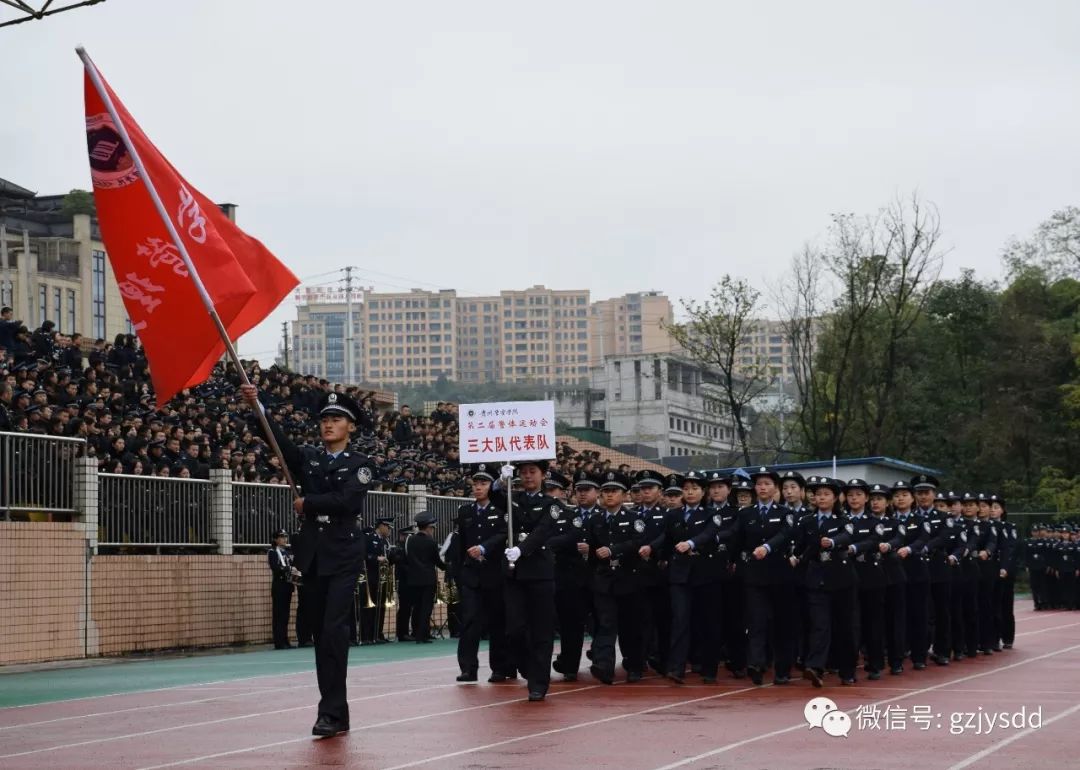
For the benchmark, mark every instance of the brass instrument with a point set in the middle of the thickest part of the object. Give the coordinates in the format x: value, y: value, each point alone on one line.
x: 440, y: 594
x: 362, y: 580
x: 386, y: 585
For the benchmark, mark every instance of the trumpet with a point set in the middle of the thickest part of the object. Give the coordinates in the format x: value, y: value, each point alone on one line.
x: 362, y: 580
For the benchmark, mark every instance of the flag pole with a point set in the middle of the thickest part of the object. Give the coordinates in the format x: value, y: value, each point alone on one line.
x: 99, y: 85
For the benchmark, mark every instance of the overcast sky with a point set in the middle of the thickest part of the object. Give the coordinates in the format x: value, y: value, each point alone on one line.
x: 616, y: 146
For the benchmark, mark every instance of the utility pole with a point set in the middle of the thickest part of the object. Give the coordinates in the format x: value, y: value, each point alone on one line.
x: 348, y: 327
x: 285, y: 340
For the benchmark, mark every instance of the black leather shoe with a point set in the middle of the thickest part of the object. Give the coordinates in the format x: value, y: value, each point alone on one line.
x: 873, y: 676
x: 920, y: 666
x: 633, y: 677
x: 535, y: 695
x: 755, y: 675
x: 708, y: 680
x: 1007, y: 646
x: 896, y: 670
x: 676, y: 677
x: 326, y: 727
x: 406, y: 639
x: 780, y: 681
x: 467, y: 676
x: 848, y: 681
x: 959, y: 657
x: 738, y: 673
x: 814, y: 676
x: 569, y: 677
x: 940, y: 660
x: 497, y: 678
x: 600, y: 675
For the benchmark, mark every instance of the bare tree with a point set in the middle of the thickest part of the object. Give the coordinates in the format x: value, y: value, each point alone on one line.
x: 713, y: 335
x: 1054, y: 247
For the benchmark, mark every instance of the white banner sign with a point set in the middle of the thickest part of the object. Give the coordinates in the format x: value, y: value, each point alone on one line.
x: 506, y: 431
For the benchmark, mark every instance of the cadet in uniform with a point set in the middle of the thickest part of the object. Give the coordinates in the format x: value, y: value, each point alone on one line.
x: 824, y: 543
x: 529, y: 585
x: 653, y: 572
x: 281, y: 588
x: 967, y: 644
x: 571, y: 578
x: 329, y: 545
x: 614, y: 538
x: 692, y: 542
x: 421, y: 554
x: 939, y: 546
x: 730, y: 588
x: 375, y: 555
x: 892, y: 540
x: 865, y: 538
x: 481, y: 531
x: 793, y: 492
x: 986, y: 553
x: 765, y: 532
x: 1035, y: 559
x: 1009, y: 548
x: 913, y: 556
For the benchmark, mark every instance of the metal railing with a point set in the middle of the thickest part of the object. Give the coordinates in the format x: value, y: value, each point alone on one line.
x: 395, y: 504
x: 259, y: 510
x: 445, y: 511
x: 154, y: 512
x: 37, y: 473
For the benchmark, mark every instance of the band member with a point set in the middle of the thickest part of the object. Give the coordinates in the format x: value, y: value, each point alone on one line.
x: 329, y: 546
x: 374, y: 559
x: 529, y: 584
x: 406, y: 595
x: 614, y: 539
x: 481, y: 531
x: 571, y: 578
x: 421, y: 554
x: 281, y: 587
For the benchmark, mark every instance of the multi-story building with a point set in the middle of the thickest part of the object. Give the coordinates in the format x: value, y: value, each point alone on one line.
x: 766, y: 344
x: 479, y: 344
x: 546, y: 335
x: 53, y: 265
x: 319, y: 339
x: 633, y: 323
x: 409, y: 337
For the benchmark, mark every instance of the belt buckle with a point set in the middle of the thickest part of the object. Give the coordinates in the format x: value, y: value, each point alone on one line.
x: 322, y: 519
x: 826, y: 556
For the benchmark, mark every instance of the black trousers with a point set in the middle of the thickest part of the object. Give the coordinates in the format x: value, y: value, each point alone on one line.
x: 571, y: 608
x: 918, y: 616
x: 695, y: 615
x: 483, y: 607
x: 1066, y: 585
x: 421, y: 611
x: 988, y: 608
x: 832, y: 630
x: 769, y: 611
x: 1006, y: 617
x: 281, y: 592
x: 1037, y: 578
x: 969, y: 610
x: 328, y: 602
x: 530, y: 628
x: 618, y: 617
x: 872, y: 626
x: 406, y: 599
x: 800, y: 619
x: 733, y: 622
x: 941, y: 596
x: 656, y: 616
x: 896, y: 623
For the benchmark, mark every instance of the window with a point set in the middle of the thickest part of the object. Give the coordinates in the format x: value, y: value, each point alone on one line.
x: 58, y: 310
x: 7, y: 292
x: 43, y: 303
x: 71, y: 311
x: 97, y: 293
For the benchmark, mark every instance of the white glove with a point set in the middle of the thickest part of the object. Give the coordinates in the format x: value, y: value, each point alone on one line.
x: 507, y: 472
x: 513, y: 554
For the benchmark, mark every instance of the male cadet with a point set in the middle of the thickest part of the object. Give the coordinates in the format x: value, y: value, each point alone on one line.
x: 571, y: 578
x: 281, y: 588
x: 481, y: 531
x: 730, y: 588
x: 329, y: 545
x: 940, y: 545
x: 986, y: 553
x: 866, y: 535
x: 766, y: 530
x: 422, y: 556
x: 587, y: 492
x: 614, y: 539
x: 529, y: 586
x: 652, y: 572
x: 694, y: 577
x: 1008, y: 559
x: 892, y: 540
x: 793, y: 492
x: 375, y: 555
x: 967, y: 641
x: 823, y: 542
x: 1035, y: 558
x: 913, y: 553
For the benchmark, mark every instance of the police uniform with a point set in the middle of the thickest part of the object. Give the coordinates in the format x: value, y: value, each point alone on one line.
x: 800, y: 616
x: 1010, y: 555
x: 694, y: 577
x: 615, y: 586
x: 730, y: 587
x: 867, y: 532
x: 917, y: 531
x: 892, y: 538
x: 653, y: 578
x: 939, y: 546
x: 769, y: 605
x: 986, y: 553
x: 529, y: 587
x: 571, y: 579
x: 281, y: 590
x: 377, y: 546
x: 329, y: 553
x: 1034, y: 558
x: 481, y: 584
x: 968, y: 638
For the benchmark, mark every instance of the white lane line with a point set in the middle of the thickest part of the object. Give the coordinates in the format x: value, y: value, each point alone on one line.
x: 568, y: 728
x: 308, y: 738
x: 803, y: 726
x: 172, y: 728
x: 1052, y: 628
x: 308, y: 672
x: 256, y: 692
x: 1012, y: 738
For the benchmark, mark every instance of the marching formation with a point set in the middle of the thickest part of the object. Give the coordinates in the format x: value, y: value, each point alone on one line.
x: 684, y: 574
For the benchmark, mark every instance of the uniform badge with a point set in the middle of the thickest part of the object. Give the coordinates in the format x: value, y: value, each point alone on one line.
x: 880, y: 530
x: 1012, y: 534
x: 556, y: 511
x: 926, y: 526
x: 363, y: 475
x: 949, y: 521
x: 963, y: 536
x: 790, y: 519
x: 577, y: 522
x: 976, y: 529
x: 850, y: 529
x: 332, y: 398
x: 826, y: 556
x: 901, y: 528
x: 639, y: 526
x: 717, y: 520
x: 521, y: 537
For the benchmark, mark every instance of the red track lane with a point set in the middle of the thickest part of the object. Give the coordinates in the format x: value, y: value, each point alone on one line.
x: 411, y: 714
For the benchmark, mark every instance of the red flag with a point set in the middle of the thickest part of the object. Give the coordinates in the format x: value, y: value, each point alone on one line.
x: 243, y: 279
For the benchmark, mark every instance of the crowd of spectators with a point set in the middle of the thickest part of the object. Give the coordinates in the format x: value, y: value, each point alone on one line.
x: 59, y: 385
